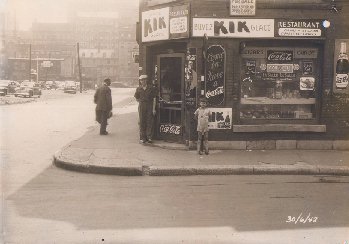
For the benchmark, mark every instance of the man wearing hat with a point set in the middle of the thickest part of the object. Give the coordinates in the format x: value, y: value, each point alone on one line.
x: 104, y: 106
x: 145, y: 95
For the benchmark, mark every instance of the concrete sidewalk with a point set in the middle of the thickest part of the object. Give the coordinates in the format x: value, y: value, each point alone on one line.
x: 120, y: 153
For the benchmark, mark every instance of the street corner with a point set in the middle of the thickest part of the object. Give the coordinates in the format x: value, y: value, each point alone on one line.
x: 83, y: 160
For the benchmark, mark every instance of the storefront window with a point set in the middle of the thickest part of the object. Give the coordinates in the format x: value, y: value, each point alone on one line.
x: 279, y: 83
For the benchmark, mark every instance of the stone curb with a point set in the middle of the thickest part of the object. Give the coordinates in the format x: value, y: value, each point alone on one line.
x: 248, y: 170
x: 85, y: 167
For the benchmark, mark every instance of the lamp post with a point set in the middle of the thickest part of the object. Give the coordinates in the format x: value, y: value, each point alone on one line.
x: 204, y: 58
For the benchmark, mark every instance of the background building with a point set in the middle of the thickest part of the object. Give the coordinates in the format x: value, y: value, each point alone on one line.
x: 100, y: 38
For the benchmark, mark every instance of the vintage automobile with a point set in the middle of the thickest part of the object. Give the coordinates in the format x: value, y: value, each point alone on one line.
x: 7, y: 87
x: 70, y: 87
x: 28, y: 89
x: 50, y: 84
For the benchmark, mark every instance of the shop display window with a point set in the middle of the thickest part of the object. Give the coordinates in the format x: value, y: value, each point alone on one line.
x: 279, y: 83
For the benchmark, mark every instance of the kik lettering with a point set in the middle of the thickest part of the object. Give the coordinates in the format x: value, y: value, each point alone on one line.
x: 151, y: 25
x: 220, y: 27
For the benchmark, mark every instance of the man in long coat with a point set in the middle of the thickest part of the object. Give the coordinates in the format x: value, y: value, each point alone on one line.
x: 104, y: 106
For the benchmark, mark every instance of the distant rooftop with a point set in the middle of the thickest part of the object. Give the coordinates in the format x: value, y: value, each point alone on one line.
x: 103, y: 14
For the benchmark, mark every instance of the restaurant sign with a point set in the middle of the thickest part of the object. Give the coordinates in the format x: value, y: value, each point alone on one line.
x: 299, y: 28
x: 247, y: 28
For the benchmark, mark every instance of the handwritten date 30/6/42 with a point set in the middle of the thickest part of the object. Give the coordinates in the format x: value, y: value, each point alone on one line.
x: 302, y: 219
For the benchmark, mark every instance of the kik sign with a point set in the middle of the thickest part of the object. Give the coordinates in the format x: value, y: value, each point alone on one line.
x: 155, y: 25
x: 247, y: 28
x: 165, y: 23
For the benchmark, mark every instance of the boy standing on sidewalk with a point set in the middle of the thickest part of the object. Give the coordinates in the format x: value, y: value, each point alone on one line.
x: 202, y: 114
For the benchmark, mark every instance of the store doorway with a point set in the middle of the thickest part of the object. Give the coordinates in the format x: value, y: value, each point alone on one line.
x: 171, y: 97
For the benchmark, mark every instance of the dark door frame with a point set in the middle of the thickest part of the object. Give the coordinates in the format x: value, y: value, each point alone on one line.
x: 158, y: 59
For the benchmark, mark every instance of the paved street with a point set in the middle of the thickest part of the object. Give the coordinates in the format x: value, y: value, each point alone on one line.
x: 45, y: 204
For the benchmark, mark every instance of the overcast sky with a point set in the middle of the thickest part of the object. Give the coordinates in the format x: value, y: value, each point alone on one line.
x: 27, y: 11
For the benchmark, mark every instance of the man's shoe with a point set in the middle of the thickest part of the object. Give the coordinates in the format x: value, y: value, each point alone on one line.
x: 104, y: 133
x: 150, y: 140
x: 200, y: 152
x: 207, y: 153
x: 143, y: 141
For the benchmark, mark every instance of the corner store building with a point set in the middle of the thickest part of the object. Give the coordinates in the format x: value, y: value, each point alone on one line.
x: 268, y: 71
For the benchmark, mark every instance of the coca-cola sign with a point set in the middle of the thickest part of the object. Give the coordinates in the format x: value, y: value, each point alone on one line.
x: 279, y: 56
x: 170, y: 129
x: 215, y: 75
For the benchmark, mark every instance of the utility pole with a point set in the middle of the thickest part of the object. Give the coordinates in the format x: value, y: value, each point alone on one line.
x: 37, y: 69
x: 79, y: 67
x: 30, y: 62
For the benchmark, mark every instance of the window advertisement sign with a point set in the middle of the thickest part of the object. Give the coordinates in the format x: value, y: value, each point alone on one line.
x: 215, y: 75
x: 220, y: 118
x: 179, y: 24
x: 305, y: 53
x: 243, y: 7
x: 307, y: 83
x: 247, y: 28
x: 155, y: 25
x: 279, y: 56
x: 299, y: 28
x: 341, y: 66
x: 280, y: 68
x: 170, y: 129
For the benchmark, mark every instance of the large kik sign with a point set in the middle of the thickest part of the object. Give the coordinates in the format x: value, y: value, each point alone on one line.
x: 215, y: 75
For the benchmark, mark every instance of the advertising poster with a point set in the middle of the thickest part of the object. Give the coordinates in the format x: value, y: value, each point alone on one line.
x: 242, y: 7
x: 220, y: 118
x: 215, y: 75
x: 190, y: 77
x: 179, y: 24
x: 155, y: 25
x: 341, y: 66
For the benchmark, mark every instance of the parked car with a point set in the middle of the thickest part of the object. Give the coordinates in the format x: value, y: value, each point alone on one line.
x: 28, y: 89
x: 7, y: 87
x: 60, y: 85
x: 50, y: 85
x: 70, y: 87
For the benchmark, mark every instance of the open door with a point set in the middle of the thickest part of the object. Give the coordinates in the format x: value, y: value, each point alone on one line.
x: 171, y: 96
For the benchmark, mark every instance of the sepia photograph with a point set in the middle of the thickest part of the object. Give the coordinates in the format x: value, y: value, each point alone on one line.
x: 174, y: 121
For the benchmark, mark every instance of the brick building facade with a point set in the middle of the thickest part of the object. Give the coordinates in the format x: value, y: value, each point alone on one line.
x: 267, y: 69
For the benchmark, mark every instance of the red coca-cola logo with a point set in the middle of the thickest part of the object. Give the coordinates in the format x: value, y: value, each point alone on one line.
x: 280, y: 56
